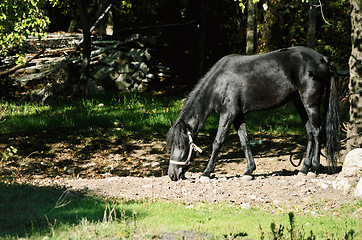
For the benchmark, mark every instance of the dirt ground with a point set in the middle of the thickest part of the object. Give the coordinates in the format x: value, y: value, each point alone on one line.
x: 129, y: 168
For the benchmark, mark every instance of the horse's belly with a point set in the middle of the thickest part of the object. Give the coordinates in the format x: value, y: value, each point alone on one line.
x: 266, y: 96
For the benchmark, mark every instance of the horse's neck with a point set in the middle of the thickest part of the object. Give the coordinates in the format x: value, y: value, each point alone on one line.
x: 196, y: 111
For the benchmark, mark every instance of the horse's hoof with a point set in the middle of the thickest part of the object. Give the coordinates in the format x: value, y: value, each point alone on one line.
x: 247, y: 178
x: 204, y: 179
x: 311, y: 175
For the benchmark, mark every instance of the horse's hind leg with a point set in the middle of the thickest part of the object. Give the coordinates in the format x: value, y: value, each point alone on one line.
x: 308, y: 107
x: 317, y: 137
x: 305, y: 119
x: 310, y: 149
x: 239, y: 124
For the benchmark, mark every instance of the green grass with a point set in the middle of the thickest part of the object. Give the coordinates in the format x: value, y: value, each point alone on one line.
x: 129, y: 114
x: 40, y: 212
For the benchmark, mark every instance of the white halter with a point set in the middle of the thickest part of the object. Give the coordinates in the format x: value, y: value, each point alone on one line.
x: 193, y: 146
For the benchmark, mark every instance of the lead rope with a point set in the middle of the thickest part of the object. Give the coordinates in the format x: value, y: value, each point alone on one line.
x: 193, y: 146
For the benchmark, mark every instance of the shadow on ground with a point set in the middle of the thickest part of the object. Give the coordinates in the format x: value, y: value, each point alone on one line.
x: 99, y: 153
x: 28, y: 210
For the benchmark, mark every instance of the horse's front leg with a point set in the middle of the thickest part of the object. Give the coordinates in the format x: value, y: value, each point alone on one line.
x: 224, y: 125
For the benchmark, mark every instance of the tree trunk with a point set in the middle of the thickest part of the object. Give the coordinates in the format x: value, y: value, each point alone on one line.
x: 266, y: 28
x: 354, y: 128
x: 202, y: 38
x: 82, y: 6
x: 250, y: 34
x: 312, y: 23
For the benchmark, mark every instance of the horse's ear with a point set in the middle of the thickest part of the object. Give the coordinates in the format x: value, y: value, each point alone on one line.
x: 183, y: 125
x: 171, y: 123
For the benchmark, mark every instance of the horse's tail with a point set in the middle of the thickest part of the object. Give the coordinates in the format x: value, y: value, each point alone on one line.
x: 332, y: 118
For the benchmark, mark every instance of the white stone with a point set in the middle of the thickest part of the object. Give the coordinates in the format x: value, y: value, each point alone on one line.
x: 299, y: 184
x: 204, y: 179
x: 247, y: 178
x: 311, y: 175
x: 323, y: 185
x: 351, y: 172
x: 123, y: 81
x: 358, y: 189
x: 342, y: 183
x: 245, y: 206
x: 352, y: 165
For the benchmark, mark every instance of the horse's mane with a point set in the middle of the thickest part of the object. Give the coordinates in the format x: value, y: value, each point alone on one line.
x: 201, y: 84
x: 176, y: 137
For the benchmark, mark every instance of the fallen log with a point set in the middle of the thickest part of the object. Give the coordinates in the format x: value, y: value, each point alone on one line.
x: 49, y: 53
x: 11, y: 70
x: 23, y: 81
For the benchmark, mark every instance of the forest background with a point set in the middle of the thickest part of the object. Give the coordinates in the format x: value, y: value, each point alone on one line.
x: 190, y: 30
x: 193, y: 34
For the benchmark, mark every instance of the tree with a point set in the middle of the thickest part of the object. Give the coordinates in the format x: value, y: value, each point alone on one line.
x: 312, y: 23
x: 86, y: 53
x: 20, y: 19
x: 250, y: 34
x: 354, y: 128
x: 202, y: 37
x: 266, y: 31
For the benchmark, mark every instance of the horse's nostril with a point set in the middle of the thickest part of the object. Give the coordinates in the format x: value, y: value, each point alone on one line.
x: 173, y: 177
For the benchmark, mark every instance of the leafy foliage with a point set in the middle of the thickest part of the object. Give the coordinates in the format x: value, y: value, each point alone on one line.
x: 20, y: 19
x: 287, y: 25
x: 285, y: 21
x: 8, y: 153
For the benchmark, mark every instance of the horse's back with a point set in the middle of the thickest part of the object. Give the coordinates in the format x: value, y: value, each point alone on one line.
x: 268, y: 80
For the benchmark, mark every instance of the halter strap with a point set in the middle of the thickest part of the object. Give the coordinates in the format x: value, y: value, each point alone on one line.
x: 193, y: 146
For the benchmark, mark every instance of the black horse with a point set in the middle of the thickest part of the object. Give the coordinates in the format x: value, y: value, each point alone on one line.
x: 237, y: 84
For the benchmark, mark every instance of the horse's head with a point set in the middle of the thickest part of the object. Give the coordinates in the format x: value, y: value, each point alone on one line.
x: 182, y: 148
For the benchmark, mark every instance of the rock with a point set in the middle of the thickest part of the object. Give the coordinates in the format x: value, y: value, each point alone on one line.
x: 142, y: 87
x: 141, y: 66
x: 40, y: 94
x: 358, y: 189
x: 311, y: 175
x: 323, y: 185
x: 125, y: 68
x: 342, y: 184
x: 113, y: 58
x: 204, y: 179
x: 92, y: 88
x: 299, y: 184
x: 139, y: 55
x: 68, y: 170
x: 245, y: 206
x: 247, y: 178
x: 314, y: 213
x: 301, y: 175
x: 352, y: 165
x: 351, y: 172
x: 104, y: 75
x: 123, y: 82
